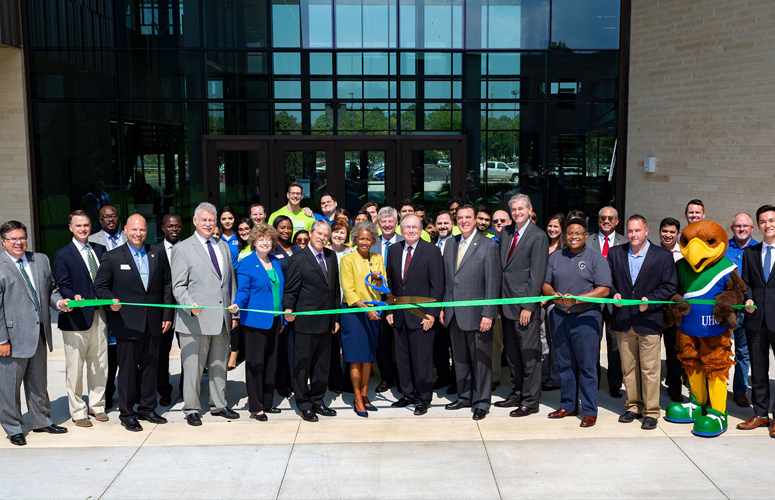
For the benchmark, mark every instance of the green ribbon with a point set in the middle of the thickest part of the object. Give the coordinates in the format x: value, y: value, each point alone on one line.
x: 455, y: 303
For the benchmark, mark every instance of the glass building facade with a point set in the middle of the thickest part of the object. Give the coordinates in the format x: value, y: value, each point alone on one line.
x: 158, y: 105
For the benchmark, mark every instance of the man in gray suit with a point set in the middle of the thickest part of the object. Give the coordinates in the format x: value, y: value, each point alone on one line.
x: 111, y: 235
x: 27, y: 289
x: 471, y: 272
x: 603, y: 241
x: 202, y: 275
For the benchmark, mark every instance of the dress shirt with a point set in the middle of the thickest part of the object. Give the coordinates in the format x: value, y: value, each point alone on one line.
x: 521, y: 231
x: 676, y: 251
x: 636, y: 261
x: 218, y: 255
x: 30, y: 274
x: 441, y: 243
x: 468, y: 241
x: 403, y: 254
x: 601, y: 237
x: 382, y: 241
x: 113, y: 241
x: 765, y: 246
x: 168, y: 249
x: 84, y: 254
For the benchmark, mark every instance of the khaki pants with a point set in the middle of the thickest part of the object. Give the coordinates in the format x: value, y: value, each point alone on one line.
x: 88, y: 347
x: 641, y: 364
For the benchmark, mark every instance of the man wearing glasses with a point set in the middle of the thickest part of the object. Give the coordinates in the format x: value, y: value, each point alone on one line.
x: 603, y: 241
x: 301, y: 218
x: 111, y: 235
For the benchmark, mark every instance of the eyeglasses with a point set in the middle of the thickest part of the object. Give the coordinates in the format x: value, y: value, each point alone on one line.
x: 575, y: 235
x: 20, y: 239
x: 500, y: 221
x: 606, y: 217
x: 109, y: 217
x: 295, y: 193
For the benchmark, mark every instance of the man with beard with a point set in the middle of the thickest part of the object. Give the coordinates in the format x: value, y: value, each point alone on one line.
x: 171, y: 225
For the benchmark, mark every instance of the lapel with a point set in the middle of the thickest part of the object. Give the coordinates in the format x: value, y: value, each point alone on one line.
x: 33, y: 270
x: 470, y: 250
x: 76, y: 256
x: 130, y: 257
x: 261, y: 271
x: 200, y: 250
x: 509, y: 231
x: 314, y: 263
x: 648, y: 259
x: 153, y: 262
x: 596, y: 242
x: 13, y: 271
x: 626, y: 265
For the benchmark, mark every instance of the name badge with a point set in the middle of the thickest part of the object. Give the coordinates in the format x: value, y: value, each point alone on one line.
x: 125, y: 267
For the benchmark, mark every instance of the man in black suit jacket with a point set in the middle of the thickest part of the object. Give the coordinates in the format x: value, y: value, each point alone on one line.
x: 312, y: 283
x: 640, y: 271
x: 760, y: 322
x: 136, y: 273
x: 414, y: 268
x: 84, y: 329
x: 524, y: 253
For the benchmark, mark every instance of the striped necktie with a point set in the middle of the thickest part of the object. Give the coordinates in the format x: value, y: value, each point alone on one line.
x: 32, y: 289
x: 93, y: 266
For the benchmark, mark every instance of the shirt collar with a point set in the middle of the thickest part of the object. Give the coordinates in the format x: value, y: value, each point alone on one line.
x: 15, y: 260
x: 522, y: 230
x: 469, y: 239
x: 115, y: 237
x: 204, y: 241
x: 610, y: 237
x: 80, y: 246
x: 734, y: 244
x: 135, y: 250
x: 642, y: 252
x: 315, y: 252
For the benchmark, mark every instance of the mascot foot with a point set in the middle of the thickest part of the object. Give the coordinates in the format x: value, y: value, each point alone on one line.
x: 711, y: 425
x: 684, y: 413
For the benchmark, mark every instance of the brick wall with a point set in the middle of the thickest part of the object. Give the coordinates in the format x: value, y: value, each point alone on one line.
x: 702, y: 101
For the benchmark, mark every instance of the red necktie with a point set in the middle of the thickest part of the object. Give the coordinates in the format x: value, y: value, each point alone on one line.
x: 513, y: 244
x: 606, y: 248
x: 407, y: 261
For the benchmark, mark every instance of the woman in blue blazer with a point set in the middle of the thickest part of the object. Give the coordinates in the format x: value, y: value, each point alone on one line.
x: 260, y: 286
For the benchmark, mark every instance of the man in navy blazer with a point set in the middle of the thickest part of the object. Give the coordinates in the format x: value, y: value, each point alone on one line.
x: 84, y: 329
x: 646, y: 272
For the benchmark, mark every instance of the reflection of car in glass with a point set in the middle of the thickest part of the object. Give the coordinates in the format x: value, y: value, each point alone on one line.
x: 499, y: 171
x: 444, y: 164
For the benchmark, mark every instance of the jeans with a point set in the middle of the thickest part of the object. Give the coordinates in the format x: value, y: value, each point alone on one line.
x: 742, y: 361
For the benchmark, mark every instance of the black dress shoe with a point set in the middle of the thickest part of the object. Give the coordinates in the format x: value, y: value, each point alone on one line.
x: 615, y: 393
x: 272, y: 410
x: 675, y: 396
x: 284, y: 393
x: 383, y: 386
x: 261, y: 417
x: 479, y: 414
x: 649, y: 423
x: 51, y: 429
x: 309, y: 415
x: 629, y: 416
x: 225, y: 413
x: 523, y: 411
x: 132, y: 425
x: 509, y: 402
x: 420, y: 409
x: 193, y: 419
x: 457, y: 405
x: 401, y: 403
x: 153, y: 418
x: 324, y: 410
x: 17, y: 439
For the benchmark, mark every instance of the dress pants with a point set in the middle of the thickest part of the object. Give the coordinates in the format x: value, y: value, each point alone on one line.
x: 284, y: 375
x: 384, y: 357
x: 673, y: 366
x: 260, y: 365
x: 472, y: 353
x: 742, y: 359
x: 311, y: 360
x: 614, y: 373
x: 414, y: 358
x: 576, y: 346
x: 138, y: 361
x: 89, y: 347
x: 549, y: 363
x: 110, y: 387
x: 33, y: 372
x: 164, y: 386
x: 441, y: 354
x: 523, y: 353
x: 195, y: 352
x: 759, y: 344
x: 497, y: 348
x: 641, y: 366
x: 337, y: 381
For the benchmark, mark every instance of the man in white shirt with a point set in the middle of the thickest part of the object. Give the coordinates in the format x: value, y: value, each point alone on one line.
x: 444, y: 228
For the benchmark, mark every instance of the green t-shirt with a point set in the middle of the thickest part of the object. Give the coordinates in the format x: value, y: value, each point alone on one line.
x: 276, y: 292
x: 299, y: 220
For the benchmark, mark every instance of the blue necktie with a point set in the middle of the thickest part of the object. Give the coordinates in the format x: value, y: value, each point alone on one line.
x: 142, y: 269
x: 767, y: 264
x: 387, y: 244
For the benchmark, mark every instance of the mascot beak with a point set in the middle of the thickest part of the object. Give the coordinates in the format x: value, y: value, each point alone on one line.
x: 700, y: 255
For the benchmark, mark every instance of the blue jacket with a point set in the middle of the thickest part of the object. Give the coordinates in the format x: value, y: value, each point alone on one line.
x: 73, y: 278
x: 254, y: 291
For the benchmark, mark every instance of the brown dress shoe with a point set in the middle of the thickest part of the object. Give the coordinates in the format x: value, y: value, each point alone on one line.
x: 588, y: 421
x: 562, y: 413
x: 509, y: 402
x: 754, y: 422
x: 82, y: 422
x: 100, y: 417
x: 772, y: 429
x: 741, y: 400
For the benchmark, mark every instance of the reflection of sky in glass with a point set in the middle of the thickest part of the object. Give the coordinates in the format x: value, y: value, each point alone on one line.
x: 320, y: 64
x: 286, y: 26
x: 586, y: 24
x: 287, y: 63
x: 287, y: 89
x: 438, y: 64
x: 321, y: 24
x: 503, y: 24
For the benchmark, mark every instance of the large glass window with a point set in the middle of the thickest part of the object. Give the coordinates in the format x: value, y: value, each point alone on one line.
x: 84, y: 74
x: 241, y: 24
x: 154, y: 74
x: 585, y: 24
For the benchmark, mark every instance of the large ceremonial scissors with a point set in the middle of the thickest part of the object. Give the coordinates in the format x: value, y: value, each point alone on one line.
x: 391, y: 300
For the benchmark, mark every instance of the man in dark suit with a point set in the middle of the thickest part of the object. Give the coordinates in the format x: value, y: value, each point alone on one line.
x: 136, y: 273
x: 414, y: 268
x: 640, y: 271
x: 760, y: 322
x: 312, y: 283
x: 472, y: 271
x: 524, y: 252
x: 603, y: 241
x: 27, y: 290
x: 84, y: 330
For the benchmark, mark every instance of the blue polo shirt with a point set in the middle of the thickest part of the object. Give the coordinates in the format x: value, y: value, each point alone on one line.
x: 735, y: 253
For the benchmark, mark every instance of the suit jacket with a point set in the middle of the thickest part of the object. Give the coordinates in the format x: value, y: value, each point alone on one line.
x: 478, y: 277
x: 377, y: 247
x: 19, y: 322
x: 757, y: 289
x: 425, y: 278
x: 657, y: 280
x: 593, y: 241
x: 306, y: 289
x: 119, y: 278
x: 73, y: 278
x: 524, y: 272
x: 194, y: 280
x: 101, y: 239
x: 254, y: 290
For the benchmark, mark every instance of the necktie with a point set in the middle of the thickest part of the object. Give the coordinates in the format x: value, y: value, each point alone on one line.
x: 606, y: 248
x: 214, y: 259
x: 461, y: 252
x: 407, y: 261
x: 322, y: 263
x: 32, y: 289
x: 141, y: 267
x: 513, y: 244
x: 767, y: 264
x: 113, y: 241
x: 93, y: 266
x: 387, y: 244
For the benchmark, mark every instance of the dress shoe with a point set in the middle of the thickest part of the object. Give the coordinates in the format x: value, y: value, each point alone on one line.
x: 153, y: 418
x: 675, y: 396
x: 284, y: 393
x: 261, y: 417
x: 225, y: 413
x: 193, y: 419
x: 17, y: 439
x: 649, y: 424
x: 457, y: 405
x: 364, y: 414
x: 588, y: 421
x: 369, y: 407
x: 420, y: 409
x: 615, y: 393
x: 165, y: 400
x: 753, y: 423
x: 509, y: 402
x: 401, y: 403
x: 272, y: 410
x: 82, y: 422
x: 741, y: 400
x: 441, y: 382
x: 100, y: 416
x: 562, y: 413
x: 772, y: 429
x: 383, y: 386
x: 629, y: 416
x: 452, y: 389
x: 51, y: 429
x: 523, y: 411
x: 550, y: 387
x: 324, y: 410
x: 309, y: 415
x: 479, y: 414
x: 132, y: 425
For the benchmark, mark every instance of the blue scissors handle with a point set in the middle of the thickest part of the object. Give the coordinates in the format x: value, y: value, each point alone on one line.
x: 382, y: 289
x: 378, y: 304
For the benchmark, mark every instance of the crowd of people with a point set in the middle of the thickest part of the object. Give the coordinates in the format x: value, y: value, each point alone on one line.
x: 272, y: 290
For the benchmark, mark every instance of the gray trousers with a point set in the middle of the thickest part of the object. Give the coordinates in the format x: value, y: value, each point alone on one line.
x: 32, y: 371
x: 523, y: 352
x: 472, y: 355
x: 195, y: 351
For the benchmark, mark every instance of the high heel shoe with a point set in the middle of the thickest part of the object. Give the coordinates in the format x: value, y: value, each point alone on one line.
x: 370, y: 407
x: 364, y: 414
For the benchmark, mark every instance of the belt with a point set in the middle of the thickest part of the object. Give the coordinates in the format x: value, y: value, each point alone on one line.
x: 573, y: 312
